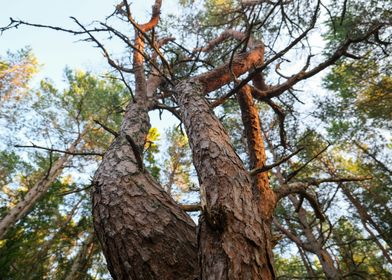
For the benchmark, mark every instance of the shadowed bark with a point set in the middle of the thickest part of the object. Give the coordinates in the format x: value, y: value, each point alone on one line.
x: 232, y: 239
x: 143, y: 232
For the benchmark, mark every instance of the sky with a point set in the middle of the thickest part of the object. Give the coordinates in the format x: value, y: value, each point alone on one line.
x: 56, y: 50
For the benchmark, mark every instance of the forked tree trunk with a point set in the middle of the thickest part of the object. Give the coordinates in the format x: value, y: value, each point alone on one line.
x: 37, y: 191
x: 143, y: 232
x: 233, y: 242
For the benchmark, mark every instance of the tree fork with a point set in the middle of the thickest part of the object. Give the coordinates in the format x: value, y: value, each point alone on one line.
x: 144, y: 234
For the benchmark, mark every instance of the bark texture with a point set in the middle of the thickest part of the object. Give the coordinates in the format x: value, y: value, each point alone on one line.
x: 256, y: 151
x: 143, y: 232
x: 232, y: 241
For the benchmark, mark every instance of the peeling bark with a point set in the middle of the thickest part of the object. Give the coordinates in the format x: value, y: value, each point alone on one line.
x: 143, y: 232
x: 256, y: 151
x: 233, y: 242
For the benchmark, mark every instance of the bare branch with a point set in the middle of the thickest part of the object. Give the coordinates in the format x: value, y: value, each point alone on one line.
x: 75, y: 191
x: 298, y: 187
x: 16, y: 23
x: 295, y: 172
x: 60, y: 151
x: 291, y: 236
x: 302, y: 75
x: 191, y: 207
x: 269, y: 167
x: 108, y: 129
x: 136, y: 151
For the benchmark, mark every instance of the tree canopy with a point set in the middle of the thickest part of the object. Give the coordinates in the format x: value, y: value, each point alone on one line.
x: 277, y: 163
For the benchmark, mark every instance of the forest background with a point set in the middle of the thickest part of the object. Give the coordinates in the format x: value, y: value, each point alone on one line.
x: 332, y: 133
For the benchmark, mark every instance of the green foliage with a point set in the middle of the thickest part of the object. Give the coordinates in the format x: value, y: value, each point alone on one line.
x: 290, y: 267
x: 9, y: 162
x: 177, y: 162
x: 363, y: 88
x: 151, y: 150
x: 16, y: 70
x: 357, y: 254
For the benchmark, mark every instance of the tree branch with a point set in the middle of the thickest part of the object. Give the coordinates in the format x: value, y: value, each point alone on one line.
x: 136, y: 151
x: 191, y: 207
x: 108, y: 129
x: 269, y: 167
x: 60, y: 151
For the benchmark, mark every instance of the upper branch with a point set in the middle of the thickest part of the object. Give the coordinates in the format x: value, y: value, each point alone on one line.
x: 222, y: 75
x: 303, y: 74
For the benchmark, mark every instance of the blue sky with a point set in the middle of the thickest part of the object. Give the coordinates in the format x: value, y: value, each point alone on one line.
x: 54, y: 49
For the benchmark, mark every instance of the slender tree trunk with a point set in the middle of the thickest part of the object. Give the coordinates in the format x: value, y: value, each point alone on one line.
x: 42, y: 254
x: 315, y: 244
x: 233, y: 240
x: 143, y: 232
x: 306, y: 262
x: 80, y: 261
x: 365, y: 217
x: 256, y: 151
x: 37, y: 191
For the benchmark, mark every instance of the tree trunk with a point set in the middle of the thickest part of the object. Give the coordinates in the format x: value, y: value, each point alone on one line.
x: 234, y: 242
x: 315, y: 245
x: 143, y: 232
x: 80, y: 261
x: 37, y: 191
x: 42, y: 254
x: 365, y: 217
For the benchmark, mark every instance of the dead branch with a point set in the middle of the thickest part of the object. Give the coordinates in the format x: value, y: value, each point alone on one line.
x: 108, y: 129
x: 298, y: 187
x: 136, y: 152
x: 16, y: 23
x: 191, y: 207
x: 269, y: 167
x: 295, y: 172
x: 34, y: 146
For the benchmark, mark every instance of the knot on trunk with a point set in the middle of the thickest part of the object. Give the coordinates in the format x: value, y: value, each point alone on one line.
x: 216, y: 217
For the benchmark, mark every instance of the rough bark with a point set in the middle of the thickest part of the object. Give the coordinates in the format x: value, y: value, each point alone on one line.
x: 256, y: 151
x: 223, y: 74
x: 38, y: 190
x: 233, y: 243
x: 143, y: 232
